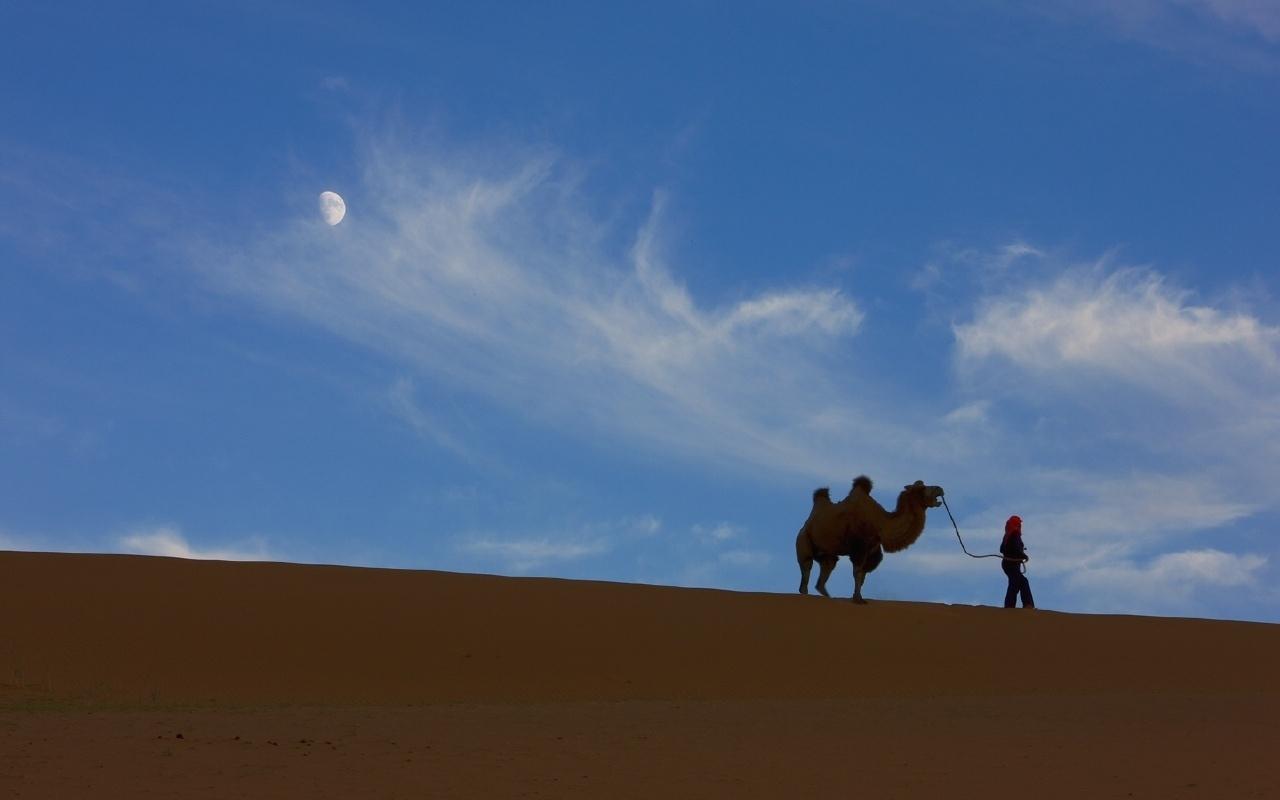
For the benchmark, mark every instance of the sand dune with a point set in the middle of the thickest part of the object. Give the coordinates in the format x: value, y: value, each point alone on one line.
x: 572, y: 688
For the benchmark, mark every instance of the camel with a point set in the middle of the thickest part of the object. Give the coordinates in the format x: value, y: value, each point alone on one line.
x: 859, y: 527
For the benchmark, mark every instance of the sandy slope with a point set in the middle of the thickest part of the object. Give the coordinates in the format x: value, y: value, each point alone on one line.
x: 400, y: 683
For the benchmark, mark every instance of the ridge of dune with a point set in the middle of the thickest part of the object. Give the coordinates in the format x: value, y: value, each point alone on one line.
x: 128, y: 629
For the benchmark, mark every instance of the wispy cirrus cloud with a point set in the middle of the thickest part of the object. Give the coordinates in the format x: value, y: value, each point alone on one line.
x: 523, y: 552
x: 1234, y: 17
x: 1167, y: 582
x: 1125, y: 418
x: 1242, y: 33
x: 719, y: 532
x: 1135, y: 358
x: 9, y: 541
x: 645, y: 525
x: 170, y: 541
x: 402, y: 402
x: 754, y: 559
x: 1132, y: 327
x: 1077, y: 519
x: 1260, y: 16
x: 488, y: 275
x: 162, y: 540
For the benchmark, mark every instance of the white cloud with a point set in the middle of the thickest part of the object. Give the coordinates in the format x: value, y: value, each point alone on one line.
x: 794, y: 313
x: 494, y: 280
x: 167, y: 541
x: 527, y: 551
x: 1242, y: 33
x: 1262, y: 16
x: 1122, y: 416
x: 1014, y: 251
x: 488, y: 278
x: 400, y: 398
x: 524, y: 554
x: 1168, y: 580
x: 9, y: 542
x: 1141, y: 503
x: 646, y: 525
x: 990, y: 266
x: 1258, y: 17
x: 1074, y: 520
x: 746, y: 558
x: 969, y: 413
x: 720, y: 532
x: 1139, y: 365
x: 1128, y: 324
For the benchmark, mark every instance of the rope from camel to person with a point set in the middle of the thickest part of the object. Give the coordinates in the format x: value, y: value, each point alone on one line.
x: 1021, y: 561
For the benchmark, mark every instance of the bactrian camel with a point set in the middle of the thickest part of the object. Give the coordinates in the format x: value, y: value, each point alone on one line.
x: 860, y: 528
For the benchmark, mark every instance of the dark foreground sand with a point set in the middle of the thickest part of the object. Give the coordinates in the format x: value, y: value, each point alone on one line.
x: 142, y: 677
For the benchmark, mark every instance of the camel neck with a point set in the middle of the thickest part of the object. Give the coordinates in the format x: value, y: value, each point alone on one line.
x: 904, y: 526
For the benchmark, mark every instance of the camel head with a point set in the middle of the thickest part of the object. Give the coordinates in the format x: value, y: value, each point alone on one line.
x: 923, y: 496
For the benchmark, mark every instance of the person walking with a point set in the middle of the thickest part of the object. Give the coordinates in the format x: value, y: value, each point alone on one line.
x: 1015, y: 555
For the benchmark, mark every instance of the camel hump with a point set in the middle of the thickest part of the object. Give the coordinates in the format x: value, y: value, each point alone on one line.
x: 822, y: 495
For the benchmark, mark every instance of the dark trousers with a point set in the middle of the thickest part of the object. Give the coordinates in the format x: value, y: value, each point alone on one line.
x: 1018, y: 584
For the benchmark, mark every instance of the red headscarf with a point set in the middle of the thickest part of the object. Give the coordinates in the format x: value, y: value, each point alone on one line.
x: 1012, y: 526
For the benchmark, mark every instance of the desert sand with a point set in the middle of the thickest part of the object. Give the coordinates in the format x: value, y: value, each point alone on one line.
x: 132, y: 676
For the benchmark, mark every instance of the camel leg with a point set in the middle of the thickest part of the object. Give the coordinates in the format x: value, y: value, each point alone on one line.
x: 806, y: 564
x: 824, y: 571
x: 804, y: 556
x: 859, y: 575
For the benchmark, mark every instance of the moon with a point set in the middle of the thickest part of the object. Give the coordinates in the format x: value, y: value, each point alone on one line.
x: 332, y: 207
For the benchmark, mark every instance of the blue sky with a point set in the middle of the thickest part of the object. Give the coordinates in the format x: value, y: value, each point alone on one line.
x: 618, y: 286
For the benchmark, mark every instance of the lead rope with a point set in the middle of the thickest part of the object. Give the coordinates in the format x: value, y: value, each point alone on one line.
x: 1001, y: 556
